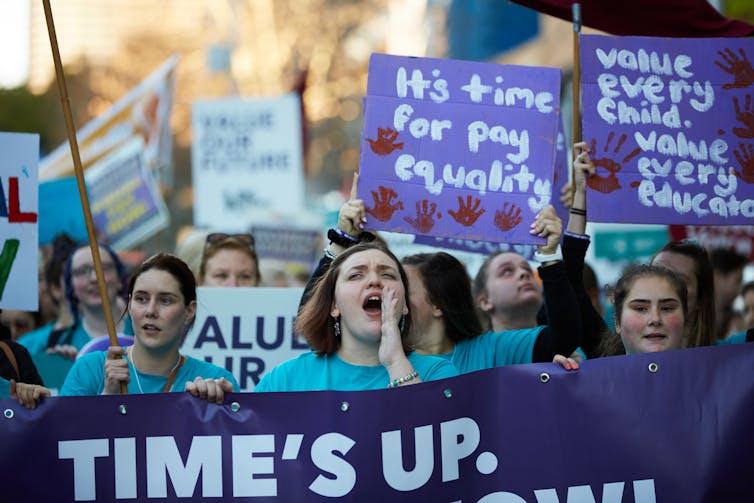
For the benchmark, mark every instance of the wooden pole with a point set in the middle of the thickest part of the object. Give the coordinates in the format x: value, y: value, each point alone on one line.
x: 79, y: 170
x: 576, y: 122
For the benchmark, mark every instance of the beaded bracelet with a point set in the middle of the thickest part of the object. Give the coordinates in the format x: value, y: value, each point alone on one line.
x: 401, y: 380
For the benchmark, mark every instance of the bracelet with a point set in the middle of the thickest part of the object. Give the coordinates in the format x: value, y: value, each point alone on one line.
x: 329, y: 254
x: 578, y: 211
x: 542, y: 258
x: 341, y: 238
x: 397, y: 382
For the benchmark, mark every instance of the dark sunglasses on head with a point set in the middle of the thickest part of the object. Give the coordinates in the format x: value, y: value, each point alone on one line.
x: 218, y: 237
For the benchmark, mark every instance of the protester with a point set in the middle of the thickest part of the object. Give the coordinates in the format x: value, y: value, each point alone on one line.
x: 508, y: 297
x: 20, y: 323
x: 691, y: 261
x: 190, y: 247
x: 16, y: 363
x: 229, y: 260
x: 355, y: 321
x: 162, y: 305
x: 446, y: 323
x: 85, y: 302
x: 747, y: 292
x: 728, y: 273
x: 651, y: 306
x: 61, y: 248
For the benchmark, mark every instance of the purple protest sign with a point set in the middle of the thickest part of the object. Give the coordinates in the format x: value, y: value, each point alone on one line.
x: 671, y: 127
x: 458, y: 149
x: 497, y: 435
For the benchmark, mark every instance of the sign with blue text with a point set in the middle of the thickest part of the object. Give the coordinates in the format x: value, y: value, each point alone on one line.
x: 246, y: 159
x: 248, y: 331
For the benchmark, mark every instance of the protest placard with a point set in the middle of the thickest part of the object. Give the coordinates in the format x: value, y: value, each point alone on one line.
x: 127, y: 207
x: 458, y: 149
x: 19, y: 234
x: 736, y: 237
x: 248, y: 331
x: 671, y: 126
x: 143, y: 112
x: 246, y: 158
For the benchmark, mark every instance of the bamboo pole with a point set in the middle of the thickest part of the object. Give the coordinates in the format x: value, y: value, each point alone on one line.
x: 79, y: 171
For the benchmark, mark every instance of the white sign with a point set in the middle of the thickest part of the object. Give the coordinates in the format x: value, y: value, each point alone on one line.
x: 245, y: 330
x: 19, y: 233
x: 246, y: 158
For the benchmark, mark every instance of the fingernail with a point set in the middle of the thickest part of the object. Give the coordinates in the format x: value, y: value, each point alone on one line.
x: 575, y: 366
x: 568, y: 366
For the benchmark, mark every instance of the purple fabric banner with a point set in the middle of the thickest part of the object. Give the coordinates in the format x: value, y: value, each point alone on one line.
x: 671, y: 126
x: 663, y: 427
x: 458, y: 149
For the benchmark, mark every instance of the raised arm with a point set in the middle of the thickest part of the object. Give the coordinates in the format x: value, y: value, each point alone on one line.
x: 575, y: 244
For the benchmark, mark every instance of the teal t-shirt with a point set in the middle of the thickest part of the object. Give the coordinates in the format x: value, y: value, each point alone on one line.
x: 4, y: 388
x: 312, y: 372
x: 494, y: 349
x: 87, y: 376
x: 739, y: 338
x: 36, y: 340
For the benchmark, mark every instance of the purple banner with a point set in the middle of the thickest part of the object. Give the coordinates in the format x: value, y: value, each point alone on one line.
x: 458, y: 149
x: 663, y: 427
x: 671, y: 126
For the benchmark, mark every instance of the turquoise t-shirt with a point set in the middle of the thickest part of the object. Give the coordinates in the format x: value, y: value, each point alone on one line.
x: 36, y: 340
x: 312, y: 372
x: 87, y: 376
x: 494, y: 349
x: 739, y: 338
x: 4, y: 388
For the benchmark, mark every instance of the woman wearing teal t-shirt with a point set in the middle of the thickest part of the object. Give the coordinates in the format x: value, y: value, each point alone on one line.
x: 162, y: 306
x: 355, y: 321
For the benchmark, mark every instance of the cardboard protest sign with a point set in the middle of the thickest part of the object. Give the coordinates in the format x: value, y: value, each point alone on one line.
x: 246, y: 158
x: 671, y: 126
x: 246, y: 330
x: 19, y: 234
x: 143, y: 112
x: 126, y: 204
x: 458, y: 149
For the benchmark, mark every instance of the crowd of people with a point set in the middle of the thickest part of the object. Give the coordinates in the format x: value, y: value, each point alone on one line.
x: 371, y: 319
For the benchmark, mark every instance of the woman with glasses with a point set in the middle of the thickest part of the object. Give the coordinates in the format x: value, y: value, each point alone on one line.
x: 229, y: 260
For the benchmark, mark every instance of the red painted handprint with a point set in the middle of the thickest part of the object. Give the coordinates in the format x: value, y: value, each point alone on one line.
x: 508, y: 217
x: 384, y: 207
x: 424, y: 220
x: 745, y: 117
x: 740, y: 68
x: 745, y: 159
x: 608, y: 183
x: 467, y: 214
x: 385, y: 142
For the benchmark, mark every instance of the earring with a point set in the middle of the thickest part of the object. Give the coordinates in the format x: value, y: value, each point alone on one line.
x: 402, y: 323
x: 336, y: 327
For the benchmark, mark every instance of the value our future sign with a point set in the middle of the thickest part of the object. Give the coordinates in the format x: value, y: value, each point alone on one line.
x: 458, y: 149
x: 671, y: 126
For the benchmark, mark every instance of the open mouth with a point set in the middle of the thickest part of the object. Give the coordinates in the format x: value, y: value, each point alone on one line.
x: 373, y: 304
x: 150, y: 328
